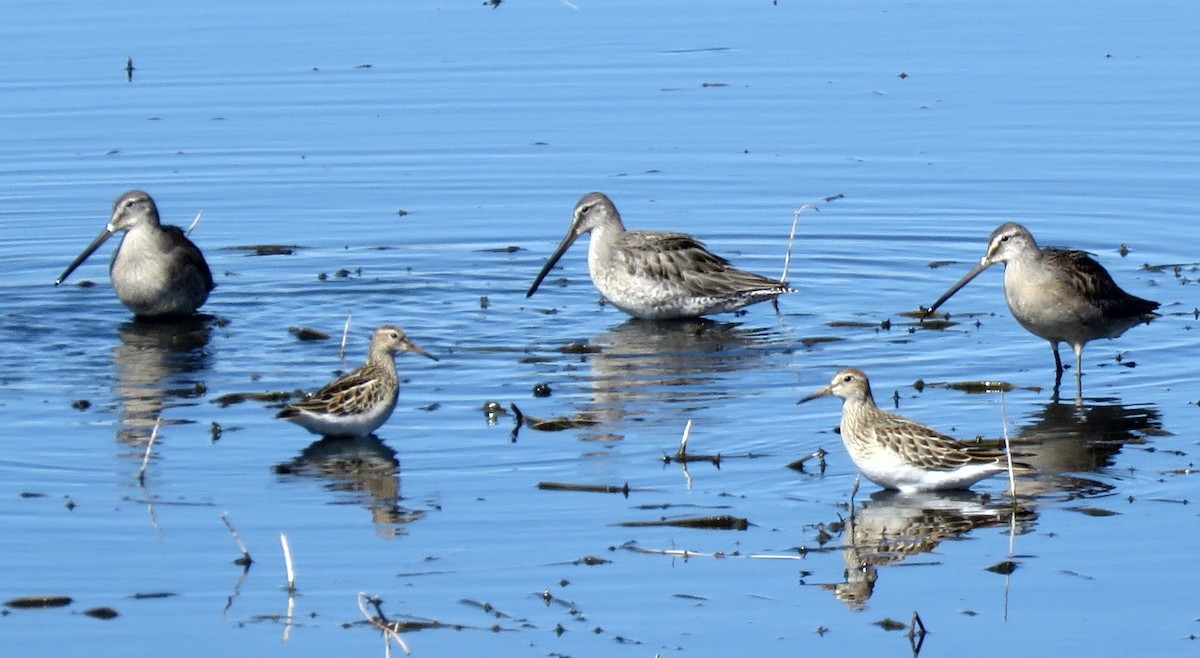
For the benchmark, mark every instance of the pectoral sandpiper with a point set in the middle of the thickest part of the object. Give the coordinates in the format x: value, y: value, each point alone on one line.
x: 360, y: 401
x: 898, y: 453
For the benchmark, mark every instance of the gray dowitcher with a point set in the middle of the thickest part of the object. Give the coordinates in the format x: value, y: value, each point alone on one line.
x: 1061, y: 295
x: 360, y: 401
x: 655, y: 275
x: 898, y: 453
x: 156, y: 270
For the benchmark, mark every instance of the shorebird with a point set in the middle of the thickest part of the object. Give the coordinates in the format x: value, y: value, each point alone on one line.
x: 1061, y: 295
x: 655, y: 275
x: 897, y: 453
x: 360, y: 401
x: 156, y: 270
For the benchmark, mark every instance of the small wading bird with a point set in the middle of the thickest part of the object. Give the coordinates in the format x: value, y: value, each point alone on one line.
x: 1061, y: 295
x: 156, y: 270
x: 897, y: 453
x: 654, y: 275
x: 359, y: 402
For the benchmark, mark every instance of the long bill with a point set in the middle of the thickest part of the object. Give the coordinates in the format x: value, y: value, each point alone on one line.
x: 558, y: 252
x: 819, y: 393
x: 91, y: 248
x: 974, y: 272
x: 412, y: 347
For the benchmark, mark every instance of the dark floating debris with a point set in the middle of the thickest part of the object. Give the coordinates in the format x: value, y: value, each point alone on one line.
x: 579, y: 348
x: 80, y: 404
x: 817, y: 340
x: 591, y: 561
x: 974, y: 386
x: 889, y: 624
x: 1093, y: 511
x: 720, y: 522
x: 30, y: 602
x: 587, y: 488
x: 305, y: 333
x: 238, y: 398
x: 129, y: 69
x: 798, y: 465
x: 103, y: 612
x: 1004, y: 567
x: 541, y: 390
x: 510, y: 249
x: 267, y: 249
x: 551, y: 424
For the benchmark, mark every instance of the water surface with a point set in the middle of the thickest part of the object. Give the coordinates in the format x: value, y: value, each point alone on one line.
x: 401, y: 149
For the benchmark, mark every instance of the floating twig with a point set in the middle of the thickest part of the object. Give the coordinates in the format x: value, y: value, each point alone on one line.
x: 194, y: 222
x: 342, y: 349
x: 149, y: 446
x: 287, y: 562
x: 39, y: 602
x: 916, y: 633
x: 719, y: 522
x: 245, y: 560
x: 380, y: 621
x: 819, y: 454
x: 1012, y: 479
x: 588, y: 488
x: 787, y: 257
x: 518, y: 421
x: 681, y: 456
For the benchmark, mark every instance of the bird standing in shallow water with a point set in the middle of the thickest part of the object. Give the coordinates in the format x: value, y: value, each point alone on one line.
x: 360, y: 401
x: 156, y: 270
x: 654, y: 275
x: 1061, y: 295
x: 898, y: 453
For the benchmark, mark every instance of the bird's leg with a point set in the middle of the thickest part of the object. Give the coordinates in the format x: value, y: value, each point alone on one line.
x: 1058, y: 370
x: 1078, y: 373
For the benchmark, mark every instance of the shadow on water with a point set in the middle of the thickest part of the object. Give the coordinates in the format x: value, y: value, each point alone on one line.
x: 890, y: 527
x: 358, y: 465
x: 641, y: 365
x: 157, y: 363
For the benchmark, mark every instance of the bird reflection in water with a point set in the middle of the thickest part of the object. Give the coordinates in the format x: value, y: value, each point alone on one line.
x: 358, y: 465
x: 890, y: 527
x: 1064, y: 442
x: 158, y: 363
x: 645, y: 368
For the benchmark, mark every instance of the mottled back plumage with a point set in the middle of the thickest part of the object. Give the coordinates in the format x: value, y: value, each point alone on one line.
x: 657, y: 275
x: 362, y: 400
x: 898, y: 453
x: 1061, y: 295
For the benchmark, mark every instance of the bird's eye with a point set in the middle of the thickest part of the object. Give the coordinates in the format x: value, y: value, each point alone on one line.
x: 848, y: 378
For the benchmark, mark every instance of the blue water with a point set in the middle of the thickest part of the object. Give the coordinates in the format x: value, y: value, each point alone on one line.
x: 315, y: 126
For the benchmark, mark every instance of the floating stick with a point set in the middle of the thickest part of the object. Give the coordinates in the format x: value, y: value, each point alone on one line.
x: 345, y: 333
x: 149, y: 446
x: 194, y: 222
x: 287, y: 562
x: 787, y: 257
x: 380, y: 621
x: 245, y: 560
